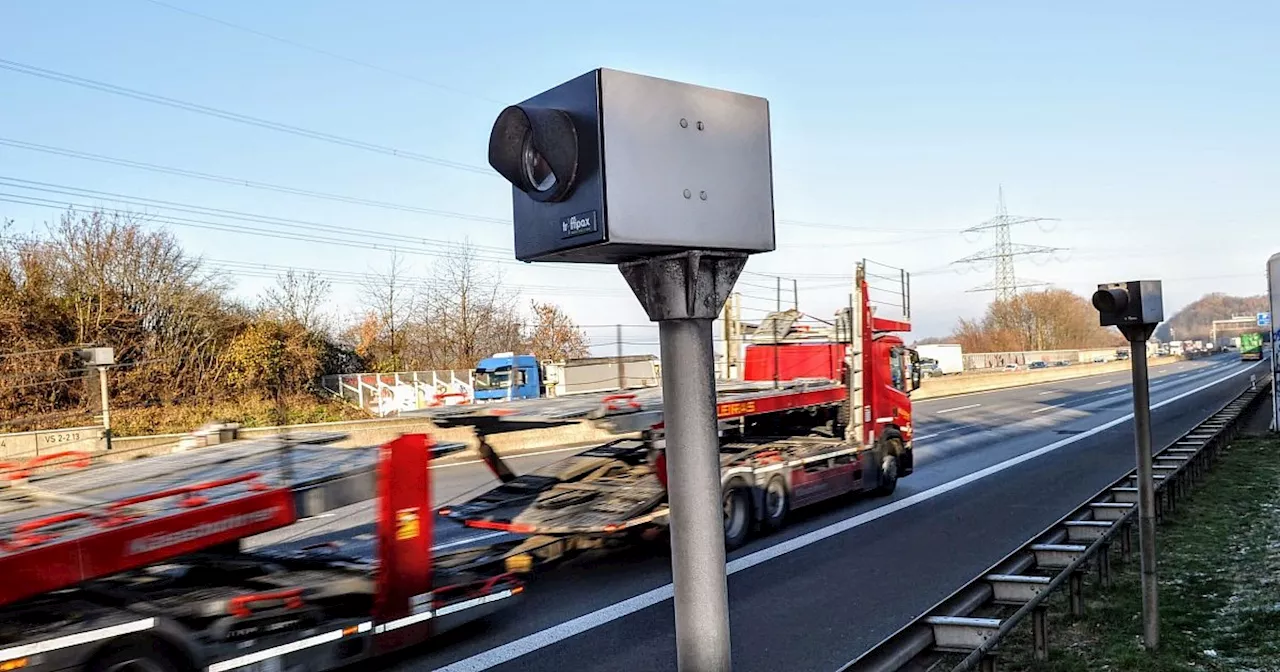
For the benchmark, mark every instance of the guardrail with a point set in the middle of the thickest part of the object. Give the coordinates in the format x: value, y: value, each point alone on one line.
x: 969, y: 623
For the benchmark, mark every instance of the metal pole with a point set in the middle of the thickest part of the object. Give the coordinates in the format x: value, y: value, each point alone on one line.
x: 727, y: 328
x: 683, y: 293
x: 851, y: 423
x: 106, y: 408
x: 777, y: 309
x: 622, y: 383
x: 1146, y: 497
x: 693, y: 482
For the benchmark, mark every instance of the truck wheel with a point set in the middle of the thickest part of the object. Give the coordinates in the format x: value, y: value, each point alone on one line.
x: 887, y: 476
x: 737, y: 515
x: 776, y: 504
x: 138, y: 655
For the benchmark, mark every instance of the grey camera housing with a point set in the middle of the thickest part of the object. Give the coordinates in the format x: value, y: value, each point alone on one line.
x: 662, y: 167
x: 97, y: 356
x: 1142, y: 309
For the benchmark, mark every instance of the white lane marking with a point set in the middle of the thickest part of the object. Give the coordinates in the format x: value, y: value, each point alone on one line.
x: 510, y: 457
x: 1116, y: 392
x: 468, y: 540
x: 573, y: 627
x: 957, y: 408
x: 1045, y: 409
x: 1102, y: 382
x: 1046, y: 392
x: 945, y: 431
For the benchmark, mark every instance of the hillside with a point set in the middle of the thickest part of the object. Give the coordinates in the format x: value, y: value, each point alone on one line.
x: 1193, y: 321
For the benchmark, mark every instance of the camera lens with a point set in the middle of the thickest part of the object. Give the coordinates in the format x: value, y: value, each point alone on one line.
x: 536, y: 169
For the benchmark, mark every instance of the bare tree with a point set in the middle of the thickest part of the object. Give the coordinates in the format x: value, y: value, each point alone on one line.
x: 468, y: 313
x: 299, y: 297
x: 388, y: 298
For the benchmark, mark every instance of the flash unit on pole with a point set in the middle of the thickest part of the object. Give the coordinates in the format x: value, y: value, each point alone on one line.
x: 1135, y: 307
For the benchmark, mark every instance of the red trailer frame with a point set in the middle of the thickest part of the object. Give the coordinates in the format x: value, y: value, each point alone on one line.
x: 321, y: 612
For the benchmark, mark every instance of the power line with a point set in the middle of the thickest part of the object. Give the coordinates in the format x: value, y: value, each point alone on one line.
x: 870, y: 229
x: 206, y: 110
x: 40, y: 352
x: 42, y: 382
x: 324, y: 52
x: 287, y: 222
x: 252, y: 184
x: 22, y: 199
x: 353, y: 278
x: 388, y: 205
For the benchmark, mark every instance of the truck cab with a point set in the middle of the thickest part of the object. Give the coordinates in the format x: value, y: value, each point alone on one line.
x: 506, y: 376
x: 893, y: 374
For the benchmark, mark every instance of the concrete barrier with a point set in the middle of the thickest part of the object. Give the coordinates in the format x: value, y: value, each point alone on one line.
x: 948, y: 386
x: 381, y: 430
x: 377, y: 431
x: 24, y: 445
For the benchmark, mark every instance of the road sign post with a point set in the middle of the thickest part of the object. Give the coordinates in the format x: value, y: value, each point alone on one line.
x: 1135, y: 308
x: 1273, y: 287
x: 100, y: 360
x: 689, y: 196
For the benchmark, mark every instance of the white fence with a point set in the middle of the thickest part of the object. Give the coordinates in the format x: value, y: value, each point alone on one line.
x: 384, y: 394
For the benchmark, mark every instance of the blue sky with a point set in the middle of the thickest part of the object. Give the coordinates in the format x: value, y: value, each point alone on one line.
x: 1147, y: 128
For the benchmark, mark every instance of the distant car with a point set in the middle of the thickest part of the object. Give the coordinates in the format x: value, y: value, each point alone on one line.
x: 1038, y: 365
x: 1099, y: 360
x: 1010, y: 367
x: 1122, y: 355
x: 1062, y: 362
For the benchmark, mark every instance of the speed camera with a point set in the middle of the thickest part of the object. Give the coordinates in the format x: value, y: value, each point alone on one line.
x: 612, y: 167
x: 1135, y: 307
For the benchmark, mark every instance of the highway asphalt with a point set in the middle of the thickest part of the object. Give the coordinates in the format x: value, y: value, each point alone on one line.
x: 993, y: 469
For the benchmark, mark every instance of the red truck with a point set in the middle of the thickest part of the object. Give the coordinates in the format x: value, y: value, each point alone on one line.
x: 783, y: 444
x: 139, y: 565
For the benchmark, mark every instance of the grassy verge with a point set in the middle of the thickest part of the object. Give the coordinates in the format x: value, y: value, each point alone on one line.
x: 1219, y: 565
x: 248, y: 412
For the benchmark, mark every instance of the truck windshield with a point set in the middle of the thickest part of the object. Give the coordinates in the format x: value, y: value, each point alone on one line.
x: 492, y: 380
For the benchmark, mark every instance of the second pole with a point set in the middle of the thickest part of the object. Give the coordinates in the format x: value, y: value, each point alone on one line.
x: 1146, y: 496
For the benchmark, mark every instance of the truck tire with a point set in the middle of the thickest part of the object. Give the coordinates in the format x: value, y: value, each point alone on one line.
x: 887, y: 473
x: 138, y: 655
x: 737, y: 514
x: 776, y: 504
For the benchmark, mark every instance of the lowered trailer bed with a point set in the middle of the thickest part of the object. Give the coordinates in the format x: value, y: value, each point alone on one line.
x: 313, y: 603
x: 598, y: 496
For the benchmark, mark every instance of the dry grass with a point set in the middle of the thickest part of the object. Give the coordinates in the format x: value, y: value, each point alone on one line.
x: 248, y: 412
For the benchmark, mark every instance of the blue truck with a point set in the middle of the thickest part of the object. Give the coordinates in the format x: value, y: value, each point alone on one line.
x: 507, y: 375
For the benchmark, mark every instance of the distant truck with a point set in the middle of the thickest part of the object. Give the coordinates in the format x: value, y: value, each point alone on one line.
x: 1251, y: 347
x: 494, y: 379
x: 1175, y: 348
x: 949, y: 356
